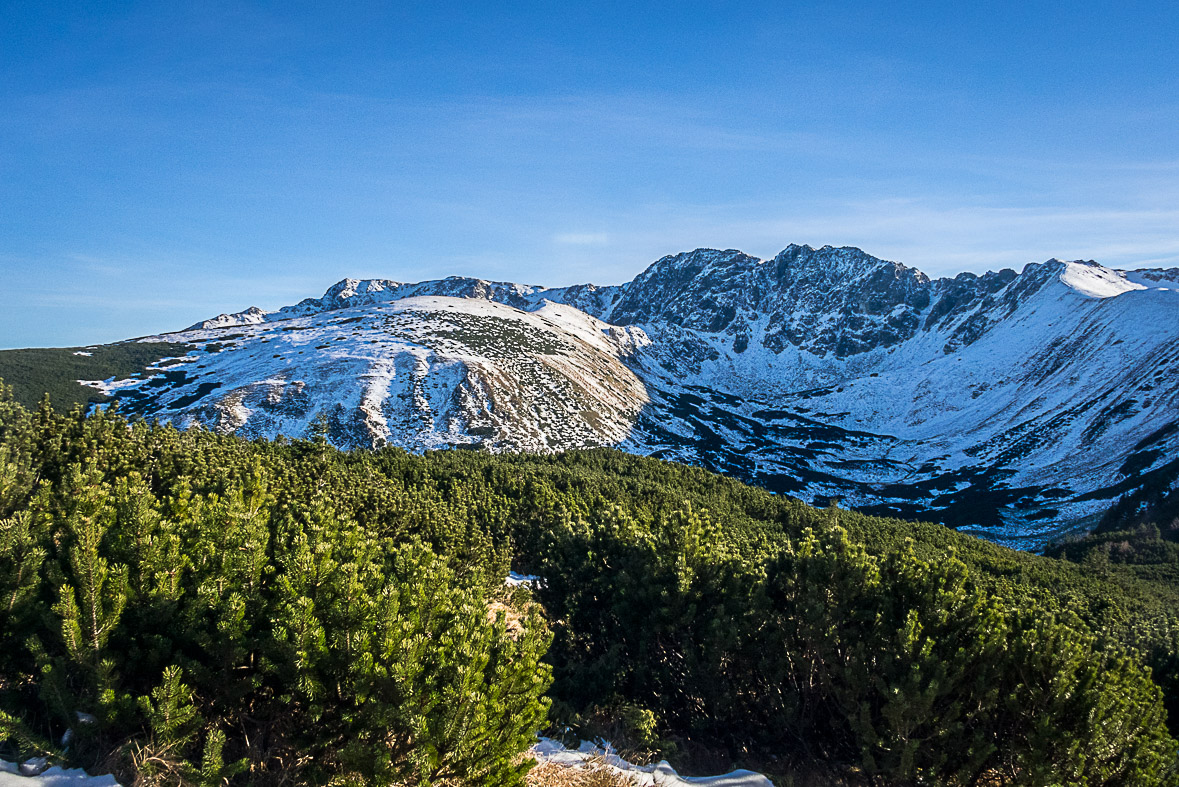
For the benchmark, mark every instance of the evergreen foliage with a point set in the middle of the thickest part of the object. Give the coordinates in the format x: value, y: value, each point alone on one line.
x: 54, y: 371
x: 190, y: 608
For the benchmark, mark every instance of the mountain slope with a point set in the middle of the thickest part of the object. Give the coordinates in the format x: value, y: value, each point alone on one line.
x: 1016, y: 404
x: 418, y: 372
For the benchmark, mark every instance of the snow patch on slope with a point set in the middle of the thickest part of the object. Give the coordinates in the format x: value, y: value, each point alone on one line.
x: 1095, y: 281
x: 420, y: 372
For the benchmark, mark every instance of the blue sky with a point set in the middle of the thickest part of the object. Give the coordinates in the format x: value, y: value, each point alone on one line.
x: 163, y: 162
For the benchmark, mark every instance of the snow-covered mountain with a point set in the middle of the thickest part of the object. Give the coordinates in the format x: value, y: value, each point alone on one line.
x: 1017, y: 405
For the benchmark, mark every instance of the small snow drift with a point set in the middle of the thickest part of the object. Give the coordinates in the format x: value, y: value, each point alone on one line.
x: 660, y: 775
x: 10, y: 776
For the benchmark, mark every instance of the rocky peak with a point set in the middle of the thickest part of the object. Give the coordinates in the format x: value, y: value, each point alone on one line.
x: 832, y: 299
x: 695, y: 289
x: 349, y: 288
x: 517, y: 295
x: 345, y: 293
x: 1166, y: 276
x: 835, y: 263
x: 250, y: 316
x: 673, y: 273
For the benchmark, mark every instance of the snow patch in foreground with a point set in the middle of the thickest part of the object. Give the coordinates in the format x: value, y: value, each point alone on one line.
x: 659, y: 775
x: 54, y: 777
x: 546, y: 750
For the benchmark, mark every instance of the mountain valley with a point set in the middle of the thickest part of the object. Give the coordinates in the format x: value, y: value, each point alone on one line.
x: 1017, y: 406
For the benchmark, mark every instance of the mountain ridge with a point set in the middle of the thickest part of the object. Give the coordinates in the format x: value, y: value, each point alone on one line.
x: 1016, y: 404
x: 689, y: 301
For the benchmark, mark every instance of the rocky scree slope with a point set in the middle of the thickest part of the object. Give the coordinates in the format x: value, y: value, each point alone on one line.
x: 1015, y: 405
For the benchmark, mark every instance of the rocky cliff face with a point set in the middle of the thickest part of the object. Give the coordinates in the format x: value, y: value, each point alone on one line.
x: 838, y: 301
x: 1015, y: 404
x: 829, y: 300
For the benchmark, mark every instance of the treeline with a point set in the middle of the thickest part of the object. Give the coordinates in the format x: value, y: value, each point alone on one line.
x: 184, y: 607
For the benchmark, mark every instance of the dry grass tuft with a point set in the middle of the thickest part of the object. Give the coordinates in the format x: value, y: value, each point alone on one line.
x: 592, y: 774
x: 145, y: 764
x: 513, y: 617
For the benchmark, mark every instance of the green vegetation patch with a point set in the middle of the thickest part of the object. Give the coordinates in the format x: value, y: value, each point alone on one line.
x: 34, y: 372
x: 278, y: 612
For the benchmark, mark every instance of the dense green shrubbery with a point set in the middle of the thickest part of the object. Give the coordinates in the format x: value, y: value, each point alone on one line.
x: 904, y: 667
x: 276, y: 612
x: 218, y: 623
